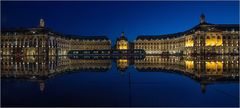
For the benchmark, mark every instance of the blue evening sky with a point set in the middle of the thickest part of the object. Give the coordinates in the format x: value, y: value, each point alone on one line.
x: 111, y: 18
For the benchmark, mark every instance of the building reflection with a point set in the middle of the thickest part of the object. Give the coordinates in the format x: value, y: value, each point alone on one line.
x: 41, y: 85
x: 122, y: 64
x: 205, y: 70
x: 41, y: 68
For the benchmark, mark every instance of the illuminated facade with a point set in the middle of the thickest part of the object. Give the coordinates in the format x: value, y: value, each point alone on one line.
x: 205, y: 70
x: 122, y: 64
x: 204, y: 38
x: 215, y: 68
x: 122, y: 43
x: 40, y: 68
x: 43, y: 41
x: 200, y: 68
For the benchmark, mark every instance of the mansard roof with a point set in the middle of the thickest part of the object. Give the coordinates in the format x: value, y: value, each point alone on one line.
x: 47, y: 31
x: 99, y: 37
x: 200, y: 27
x: 25, y: 31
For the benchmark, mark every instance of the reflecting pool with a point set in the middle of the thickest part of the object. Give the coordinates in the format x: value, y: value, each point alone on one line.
x: 96, y: 81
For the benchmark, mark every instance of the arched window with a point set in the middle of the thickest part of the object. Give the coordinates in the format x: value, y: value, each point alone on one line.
x: 208, y: 37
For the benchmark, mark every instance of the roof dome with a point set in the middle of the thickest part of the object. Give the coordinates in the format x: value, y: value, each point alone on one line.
x: 122, y: 37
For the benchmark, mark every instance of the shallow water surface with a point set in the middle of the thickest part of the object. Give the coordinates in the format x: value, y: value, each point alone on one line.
x: 152, y: 81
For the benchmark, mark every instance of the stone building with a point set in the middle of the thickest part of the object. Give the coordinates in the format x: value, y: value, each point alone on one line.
x: 122, y: 42
x: 204, y: 38
x: 43, y: 41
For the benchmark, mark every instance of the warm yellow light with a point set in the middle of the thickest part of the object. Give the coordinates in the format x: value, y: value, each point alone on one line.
x: 122, y: 60
x: 5, y: 52
x: 189, y: 42
x: 122, y: 63
x: 219, y: 41
x: 122, y: 45
x: 189, y: 65
x: 31, y: 51
x: 214, y: 68
x: 213, y: 40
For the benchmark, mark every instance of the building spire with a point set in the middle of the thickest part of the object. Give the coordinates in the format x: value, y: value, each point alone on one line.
x: 202, y: 18
x: 122, y: 34
x: 41, y: 23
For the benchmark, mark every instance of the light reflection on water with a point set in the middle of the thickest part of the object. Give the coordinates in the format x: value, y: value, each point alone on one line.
x: 151, y: 81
